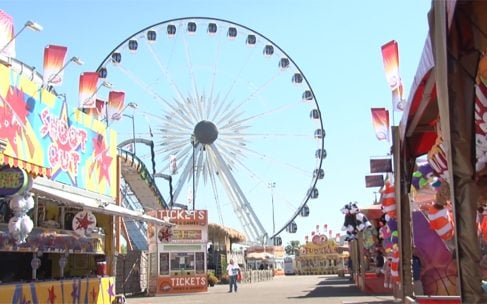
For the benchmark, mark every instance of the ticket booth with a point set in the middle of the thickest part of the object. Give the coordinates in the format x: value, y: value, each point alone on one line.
x: 178, y: 254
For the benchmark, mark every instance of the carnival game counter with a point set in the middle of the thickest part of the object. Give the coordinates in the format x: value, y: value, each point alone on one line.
x: 99, y: 290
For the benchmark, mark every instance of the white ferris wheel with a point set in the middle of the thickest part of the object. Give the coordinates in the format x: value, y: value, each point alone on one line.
x: 234, y: 122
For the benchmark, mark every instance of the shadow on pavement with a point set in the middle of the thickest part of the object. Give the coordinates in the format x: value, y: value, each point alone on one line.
x: 340, y: 287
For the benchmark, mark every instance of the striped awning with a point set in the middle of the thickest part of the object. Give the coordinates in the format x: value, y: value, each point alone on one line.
x: 33, y: 169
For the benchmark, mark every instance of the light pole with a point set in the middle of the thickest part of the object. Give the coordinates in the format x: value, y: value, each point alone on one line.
x: 133, y: 129
x: 29, y: 24
x: 272, y: 185
x: 73, y: 59
x: 194, y: 142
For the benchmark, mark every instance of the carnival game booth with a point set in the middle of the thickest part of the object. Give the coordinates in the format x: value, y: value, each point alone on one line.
x: 444, y: 121
x: 320, y: 256
x: 56, y: 240
x: 177, y: 255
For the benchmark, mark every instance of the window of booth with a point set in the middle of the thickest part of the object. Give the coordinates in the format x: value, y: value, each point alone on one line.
x: 182, y: 263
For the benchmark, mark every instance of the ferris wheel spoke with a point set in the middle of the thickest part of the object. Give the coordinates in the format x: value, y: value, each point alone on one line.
x: 182, y: 178
x: 238, y: 196
x: 214, y: 187
x: 231, y: 195
x: 253, y: 95
x: 233, y: 122
x: 190, y: 67
x: 162, y: 101
x: 165, y: 71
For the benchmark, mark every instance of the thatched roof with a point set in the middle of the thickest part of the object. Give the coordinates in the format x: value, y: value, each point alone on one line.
x: 219, y: 231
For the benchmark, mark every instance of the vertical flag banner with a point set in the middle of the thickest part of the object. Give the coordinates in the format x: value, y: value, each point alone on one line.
x: 98, y: 112
x: 116, y: 101
x: 390, y: 57
x: 7, y: 34
x: 380, y: 122
x: 54, y: 56
x: 87, y: 89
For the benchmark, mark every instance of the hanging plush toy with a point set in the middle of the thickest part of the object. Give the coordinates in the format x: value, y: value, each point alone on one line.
x: 20, y: 225
x: 361, y: 220
x: 425, y: 176
x: 349, y: 223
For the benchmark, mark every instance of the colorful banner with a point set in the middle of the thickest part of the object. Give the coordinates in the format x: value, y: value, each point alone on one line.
x: 98, y: 112
x: 87, y: 290
x: 54, y: 56
x: 87, y: 90
x: 116, y: 100
x: 41, y: 132
x: 390, y: 57
x: 7, y: 34
x: 380, y: 122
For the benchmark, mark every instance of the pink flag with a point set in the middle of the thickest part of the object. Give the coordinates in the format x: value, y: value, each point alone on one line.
x: 116, y: 101
x: 380, y: 122
x: 7, y: 34
x: 87, y: 90
x: 54, y: 56
x: 390, y: 57
x: 98, y: 111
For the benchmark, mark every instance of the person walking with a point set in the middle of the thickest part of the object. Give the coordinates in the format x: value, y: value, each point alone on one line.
x: 233, y: 270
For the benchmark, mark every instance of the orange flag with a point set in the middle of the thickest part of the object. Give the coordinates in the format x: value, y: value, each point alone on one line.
x: 116, y: 101
x: 390, y: 57
x: 380, y: 122
x: 87, y: 90
x: 54, y: 56
x: 7, y: 34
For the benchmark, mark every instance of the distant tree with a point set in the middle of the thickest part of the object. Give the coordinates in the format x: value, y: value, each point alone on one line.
x: 292, y: 248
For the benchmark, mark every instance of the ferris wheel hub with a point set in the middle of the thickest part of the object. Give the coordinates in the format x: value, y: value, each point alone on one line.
x: 205, y: 132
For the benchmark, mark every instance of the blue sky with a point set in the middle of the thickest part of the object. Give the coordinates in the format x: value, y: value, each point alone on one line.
x: 336, y: 44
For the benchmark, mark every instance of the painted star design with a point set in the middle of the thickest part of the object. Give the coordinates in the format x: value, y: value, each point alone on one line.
x: 165, y: 234
x: 110, y: 290
x: 83, y: 222
x: 14, y: 118
x: 64, y: 117
x: 103, y: 160
x: 52, y: 295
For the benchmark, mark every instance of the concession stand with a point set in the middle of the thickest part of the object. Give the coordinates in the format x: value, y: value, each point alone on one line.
x: 59, y: 195
x: 444, y: 120
x: 320, y: 256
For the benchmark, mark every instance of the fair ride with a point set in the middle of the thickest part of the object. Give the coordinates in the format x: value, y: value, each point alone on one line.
x: 235, y: 125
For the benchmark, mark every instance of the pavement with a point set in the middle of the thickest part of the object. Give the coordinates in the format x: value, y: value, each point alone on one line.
x: 324, y: 289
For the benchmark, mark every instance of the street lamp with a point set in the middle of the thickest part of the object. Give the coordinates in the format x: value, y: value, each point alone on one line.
x: 73, y: 59
x: 118, y: 115
x: 194, y: 142
x: 29, y: 24
x: 133, y: 129
x: 105, y: 84
x: 272, y: 185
